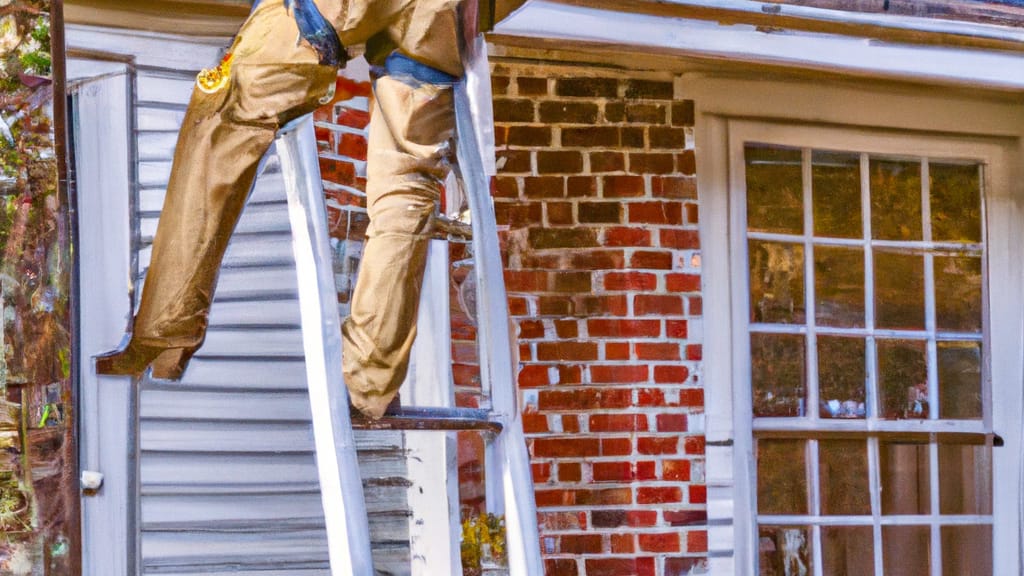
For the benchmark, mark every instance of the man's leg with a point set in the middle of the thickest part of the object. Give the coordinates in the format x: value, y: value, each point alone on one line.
x: 411, y: 128
x: 223, y: 137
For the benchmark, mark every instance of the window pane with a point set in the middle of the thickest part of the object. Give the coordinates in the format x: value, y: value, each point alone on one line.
x: 839, y: 286
x: 895, y: 200
x: 965, y: 479
x: 781, y: 477
x: 847, y: 551
x: 777, y: 374
x: 843, y: 476
x: 958, y: 293
x: 905, y: 550
x: 902, y: 379
x: 774, y: 189
x: 966, y: 550
x: 841, y: 375
x: 899, y: 290
x: 776, y: 282
x: 955, y: 202
x: 905, y: 475
x: 835, y: 184
x: 784, y: 551
x: 959, y: 379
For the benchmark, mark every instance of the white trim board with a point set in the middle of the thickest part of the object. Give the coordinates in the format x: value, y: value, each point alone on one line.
x: 744, y: 43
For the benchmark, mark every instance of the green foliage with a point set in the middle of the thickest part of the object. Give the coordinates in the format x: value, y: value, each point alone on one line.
x: 483, y: 543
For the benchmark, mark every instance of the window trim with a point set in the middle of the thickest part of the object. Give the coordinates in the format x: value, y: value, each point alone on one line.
x: 725, y: 108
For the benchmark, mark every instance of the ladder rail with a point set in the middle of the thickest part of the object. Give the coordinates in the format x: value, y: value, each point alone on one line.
x: 493, y: 324
x: 341, y: 487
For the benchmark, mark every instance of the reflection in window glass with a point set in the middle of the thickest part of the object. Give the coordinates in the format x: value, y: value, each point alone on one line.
x: 836, y: 194
x: 899, y: 290
x: 847, y: 550
x: 778, y: 374
x: 843, y: 476
x: 839, y: 286
x: 895, y: 199
x: 776, y: 282
x: 966, y: 550
x: 958, y: 293
x: 902, y: 379
x: 955, y: 202
x: 965, y: 479
x: 906, y: 550
x: 841, y: 377
x: 784, y: 551
x: 959, y: 380
x: 774, y: 189
x: 905, y: 477
x: 781, y: 477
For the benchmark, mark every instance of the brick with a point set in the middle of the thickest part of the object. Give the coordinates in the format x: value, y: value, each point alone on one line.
x: 517, y: 306
x: 569, y: 374
x: 526, y: 280
x: 663, y: 542
x: 509, y: 110
x: 674, y: 187
x: 570, y: 471
x: 616, y: 447
x: 686, y: 517
x: 541, y: 238
x: 337, y: 171
x: 623, y: 374
x: 560, y: 567
x: 678, y: 470
x: 676, y: 328
x: 683, y: 113
x: 565, y: 281
x: 650, y: 396
x: 697, y: 541
x: 352, y: 87
x: 597, y: 260
x: 570, y: 424
x: 541, y: 472
x: 692, y: 397
x: 607, y: 162
x: 620, y: 518
x: 645, y: 113
x: 672, y: 422
x: 543, y: 187
x: 686, y: 163
x: 626, y: 236
x: 600, y: 327
x: 500, y: 136
x: 658, y: 445
x: 587, y: 87
x: 685, y: 566
x: 682, y: 282
x: 692, y: 213
x: 529, y: 136
x: 600, y: 212
x: 518, y: 215
x: 646, y: 259
x: 514, y: 161
x: 604, y: 497
x: 559, y: 213
x: 533, y: 376
x: 584, y: 306
x: 535, y: 423
x: 352, y: 145
x: 632, y: 137
x: 619, y: 566
x: 695, y: 305
x: 591, y: 136
x: 352, y: 117
x: 623, y: 186
x: 560, y: 112
x: 554, y: 306
x: 694, y: 352
x: 622, y: 543
x: 617, y: 423
x: 499, y: 85
x: 674, y: 374
x: 657, y: 305
x: 571, y: 447
x: 559, y: 521
x: 581, y: 187
x: 665, y: 351
x: 649, y: 89
x: 532, y: 86
x: 612, y: 471
x: 576, y: 399
x: 694, y: 445
x: 615, y: 111
x: 648, y: 163
x: 658, y: 494
x: 559, y: 162
x: 616, y: 351
x: 580, y: 544
x: 505, y: 187
x: 679, y: 239
x: 665, y: 137
x: 554, y: 351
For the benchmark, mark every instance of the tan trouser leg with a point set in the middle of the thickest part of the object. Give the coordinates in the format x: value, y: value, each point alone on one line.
x: 223, y: 137
x: 410, y: 133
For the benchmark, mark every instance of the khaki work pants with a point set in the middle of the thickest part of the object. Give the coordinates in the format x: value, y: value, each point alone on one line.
x: 274, y: 79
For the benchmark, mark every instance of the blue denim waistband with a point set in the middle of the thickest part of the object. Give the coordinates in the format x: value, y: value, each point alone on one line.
x: 398, y: 64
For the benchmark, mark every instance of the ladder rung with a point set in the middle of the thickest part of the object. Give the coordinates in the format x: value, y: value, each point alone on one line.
x: 409, y: 418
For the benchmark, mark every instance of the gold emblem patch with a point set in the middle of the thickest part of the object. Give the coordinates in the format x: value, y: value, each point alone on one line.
x: 211, y: 80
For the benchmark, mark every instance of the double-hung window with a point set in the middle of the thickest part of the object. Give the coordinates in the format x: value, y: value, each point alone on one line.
x: 870, y: 355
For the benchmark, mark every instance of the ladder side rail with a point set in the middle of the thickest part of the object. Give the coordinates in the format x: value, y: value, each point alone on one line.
x: 496, y: 364
x: 341, y: 487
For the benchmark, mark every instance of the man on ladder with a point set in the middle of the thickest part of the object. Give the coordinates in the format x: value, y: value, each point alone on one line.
x: 282, y: 65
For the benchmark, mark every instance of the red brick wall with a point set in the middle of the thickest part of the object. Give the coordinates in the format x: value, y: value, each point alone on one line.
x: 596, y: 193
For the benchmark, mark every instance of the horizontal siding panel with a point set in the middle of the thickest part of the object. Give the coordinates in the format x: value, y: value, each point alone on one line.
x: 170, y: 88
x: 156, y: 146
x: 269, y: 218
x: 247, y: 343
x: 218, y: 472
x: 249, y: 375
x: 246, y: 251
x: 267, y: 550
x: 257, y: 284
x: 231, y: 438
x: 154, y: 119
x: 172, y: 402
x: 239, y: 313
x: 299, y: 509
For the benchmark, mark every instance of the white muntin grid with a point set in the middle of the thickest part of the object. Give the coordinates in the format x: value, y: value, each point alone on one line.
x: 872, y: 428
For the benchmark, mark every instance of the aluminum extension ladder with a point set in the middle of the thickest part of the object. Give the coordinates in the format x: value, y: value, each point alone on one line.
x: 509, y: 484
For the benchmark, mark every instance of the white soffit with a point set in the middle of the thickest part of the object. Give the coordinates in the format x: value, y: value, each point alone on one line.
x: 745, y: 43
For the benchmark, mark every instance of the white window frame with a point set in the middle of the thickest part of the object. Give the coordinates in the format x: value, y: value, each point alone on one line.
x: 870, y: 117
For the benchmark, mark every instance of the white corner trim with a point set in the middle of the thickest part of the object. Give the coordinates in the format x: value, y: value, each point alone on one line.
x: 948, y: 65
